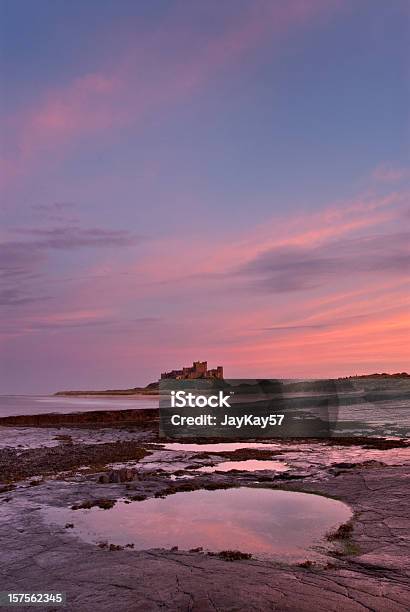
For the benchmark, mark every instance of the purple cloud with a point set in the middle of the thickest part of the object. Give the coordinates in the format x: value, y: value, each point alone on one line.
x: 303, y: 268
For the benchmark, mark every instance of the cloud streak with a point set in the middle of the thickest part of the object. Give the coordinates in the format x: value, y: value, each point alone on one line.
x: 24, y: 261
x: 128, y: 89
x: 75, y: 237
x: 285, y: 269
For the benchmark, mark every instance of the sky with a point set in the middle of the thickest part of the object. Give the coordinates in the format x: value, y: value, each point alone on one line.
x: 224, y: 180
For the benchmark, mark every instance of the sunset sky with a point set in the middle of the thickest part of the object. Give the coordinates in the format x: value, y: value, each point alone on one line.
x: 224, y: 180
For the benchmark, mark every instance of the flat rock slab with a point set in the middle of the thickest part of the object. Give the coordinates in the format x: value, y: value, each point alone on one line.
x: 36, y: 557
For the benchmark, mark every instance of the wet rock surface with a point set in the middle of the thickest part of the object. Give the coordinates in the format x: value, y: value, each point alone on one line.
x: 142, y: 417
x: 368, y: 565
x: 16, y: 464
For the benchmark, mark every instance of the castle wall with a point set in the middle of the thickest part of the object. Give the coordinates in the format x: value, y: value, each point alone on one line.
x: 199, y: 369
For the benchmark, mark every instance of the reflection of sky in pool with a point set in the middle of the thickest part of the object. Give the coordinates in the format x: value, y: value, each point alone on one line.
x: 268, y: 523
x: 218, y: 446
x: 249, y: 465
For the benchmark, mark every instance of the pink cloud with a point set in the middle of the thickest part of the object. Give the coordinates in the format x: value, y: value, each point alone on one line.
x: 214, y: 256
x: 379, y: 343
x: 123, y: 92
x: 349, y: 323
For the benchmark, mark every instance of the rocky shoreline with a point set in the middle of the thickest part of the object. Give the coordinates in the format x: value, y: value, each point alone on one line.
x: 367, y: 565
x: 144, y: 416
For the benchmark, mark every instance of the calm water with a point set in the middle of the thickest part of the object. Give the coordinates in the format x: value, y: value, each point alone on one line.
x: 249, y: 465
x: 267, y: 523
x: 42, y: 404
x: 305, y: 455
x: 218, y: 446
x: 379, y: 409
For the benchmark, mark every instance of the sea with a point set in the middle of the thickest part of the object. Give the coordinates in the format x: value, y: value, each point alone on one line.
x: 13, y: 405
x: 372, y: 411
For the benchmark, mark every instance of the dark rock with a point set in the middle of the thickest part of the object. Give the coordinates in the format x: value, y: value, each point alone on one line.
x: 114, y: 476
x: 122, y: 475
x: 105, y: 504
x: 233, y: 555
x: 17, y: 465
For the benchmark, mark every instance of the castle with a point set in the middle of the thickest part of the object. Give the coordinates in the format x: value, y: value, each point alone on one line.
x: 199, y: 369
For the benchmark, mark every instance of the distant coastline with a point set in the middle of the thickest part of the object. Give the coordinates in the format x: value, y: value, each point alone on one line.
x: 383, y: 375
x: 153, y: 388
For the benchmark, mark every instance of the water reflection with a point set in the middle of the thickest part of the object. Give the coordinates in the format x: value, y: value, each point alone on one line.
x: 281, y: 525
x: 249, y: 465
x: 218, y: 446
